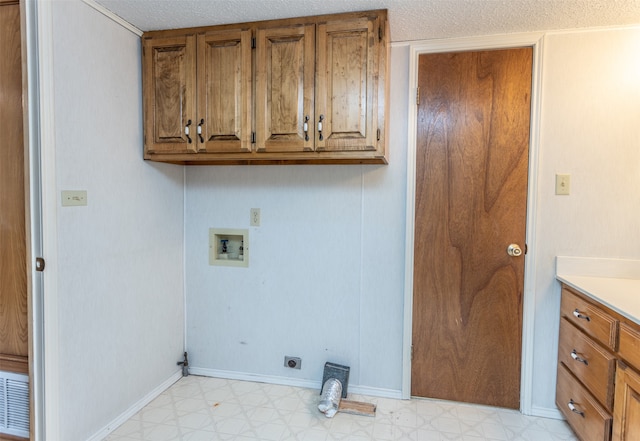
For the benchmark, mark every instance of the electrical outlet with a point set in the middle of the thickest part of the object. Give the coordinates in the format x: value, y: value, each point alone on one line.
x: 292, y: 362
x: 255, y: 217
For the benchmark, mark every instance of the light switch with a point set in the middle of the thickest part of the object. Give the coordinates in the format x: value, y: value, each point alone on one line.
x: 563, y: 184
x: 72, y: 198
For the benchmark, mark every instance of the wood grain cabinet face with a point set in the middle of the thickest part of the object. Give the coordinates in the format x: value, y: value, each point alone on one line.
x: 223, y: 120
x: 316, y: 87
x: 598, y: 365
x: 285, y: 72
x: 626, y: 414
x: 346, y: 87
x: 197, y: 93
x: 169, y: 75
x: 585, y: 415
x: 590, y: 364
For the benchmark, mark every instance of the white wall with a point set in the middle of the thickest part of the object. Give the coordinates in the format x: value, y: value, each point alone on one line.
x: 590, y: 128
x: 325, y: 280
x: 326, y: 272
x: 120, y: 258
x: 326, y: 275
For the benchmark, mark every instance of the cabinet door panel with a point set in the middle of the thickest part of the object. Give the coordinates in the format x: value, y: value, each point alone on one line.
x: 169, y: 94
x: 224, y: 91
x: 284, y: 89
x: 346, y: 89
x: 626, y: 413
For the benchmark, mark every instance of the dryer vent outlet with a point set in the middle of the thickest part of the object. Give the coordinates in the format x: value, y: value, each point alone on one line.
x: 292, y: 362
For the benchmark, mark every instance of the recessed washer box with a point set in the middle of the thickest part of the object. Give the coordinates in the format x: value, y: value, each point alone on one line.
x: 229, y: 247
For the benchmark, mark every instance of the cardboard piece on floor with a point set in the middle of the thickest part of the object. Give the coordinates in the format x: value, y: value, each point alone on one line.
x: 357, y: 408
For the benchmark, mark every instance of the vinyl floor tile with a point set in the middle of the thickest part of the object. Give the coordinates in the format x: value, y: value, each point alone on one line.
x: 213, y: 409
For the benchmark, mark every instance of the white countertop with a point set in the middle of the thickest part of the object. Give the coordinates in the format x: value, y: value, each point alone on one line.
x: 621, y: 295
x: 613, y: 282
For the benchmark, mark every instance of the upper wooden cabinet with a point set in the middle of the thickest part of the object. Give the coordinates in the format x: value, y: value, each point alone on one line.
x: 304, y: 90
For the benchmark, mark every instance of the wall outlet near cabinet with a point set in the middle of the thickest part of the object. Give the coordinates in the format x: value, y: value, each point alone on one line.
x: 255, y: 217
x: 292, y: 362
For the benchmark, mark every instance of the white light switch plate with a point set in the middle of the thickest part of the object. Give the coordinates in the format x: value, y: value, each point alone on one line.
x: 72, y: 198
x: 563, y: 184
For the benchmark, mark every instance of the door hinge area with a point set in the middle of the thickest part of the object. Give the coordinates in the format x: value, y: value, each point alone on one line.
x: 40, y: 264
x: 418, y: 96
x: 412, y: 352
x: 380, y: 33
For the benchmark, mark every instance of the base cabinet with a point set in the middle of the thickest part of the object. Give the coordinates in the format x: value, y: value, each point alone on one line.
x: 626, y: 412
x: 598, y: 388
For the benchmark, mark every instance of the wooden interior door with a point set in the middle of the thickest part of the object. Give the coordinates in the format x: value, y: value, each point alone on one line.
x: 225, y: 91
x: 285, y: 71
x: 14, y: 324
x: 471, y: 189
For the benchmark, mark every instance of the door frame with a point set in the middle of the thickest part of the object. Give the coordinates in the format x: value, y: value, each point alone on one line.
x: 535, y: 41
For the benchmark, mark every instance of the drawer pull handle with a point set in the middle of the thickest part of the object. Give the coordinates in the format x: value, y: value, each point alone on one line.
x: 576, y: 357
x: 579, y: 315
x: 187, y: 131
x: 305, y: 128
x: 574, y: 409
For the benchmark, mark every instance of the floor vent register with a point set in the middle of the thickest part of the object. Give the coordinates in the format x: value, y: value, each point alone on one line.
x: 14, y: 404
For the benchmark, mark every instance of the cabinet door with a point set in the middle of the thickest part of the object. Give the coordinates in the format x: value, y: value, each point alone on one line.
x: 224, y: 91
x: 14, y: 317
x: 284, y: 89
x: 346, y: 85
x: 169, y: 77
x: 626, y: 411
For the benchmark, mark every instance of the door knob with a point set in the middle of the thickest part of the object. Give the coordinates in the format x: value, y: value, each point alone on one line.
x: 514, y: 250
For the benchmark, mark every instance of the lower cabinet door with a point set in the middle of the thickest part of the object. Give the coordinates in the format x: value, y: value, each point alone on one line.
x: 626, y: 411
x: 587, y: 418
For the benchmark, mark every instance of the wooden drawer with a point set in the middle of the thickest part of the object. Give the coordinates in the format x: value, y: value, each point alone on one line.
x: 588, y: 317
x: 589, y: 362
x: 588, y: 419
x: 629, y: 347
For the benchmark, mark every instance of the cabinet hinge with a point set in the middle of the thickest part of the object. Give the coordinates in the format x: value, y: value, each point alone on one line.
x: 418, y: 96
x: 253, y: 43
x: 253, y: 137
x: 411, y: 352
x: 40, y: 264
x: 378, y: 135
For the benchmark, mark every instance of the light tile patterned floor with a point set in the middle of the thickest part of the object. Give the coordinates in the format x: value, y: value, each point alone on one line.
x: 207, y: 409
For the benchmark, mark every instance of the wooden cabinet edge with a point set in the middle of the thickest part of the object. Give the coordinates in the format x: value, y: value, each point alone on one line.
x: 14, y: 363
x: 318, y: 160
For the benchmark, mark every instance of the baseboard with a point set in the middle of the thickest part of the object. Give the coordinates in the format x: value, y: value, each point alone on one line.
x: 136, y: 407
x: 288, y: 381
x: 546, y: 412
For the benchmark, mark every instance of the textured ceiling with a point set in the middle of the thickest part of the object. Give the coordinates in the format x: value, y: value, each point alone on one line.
x: 409, y: 19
